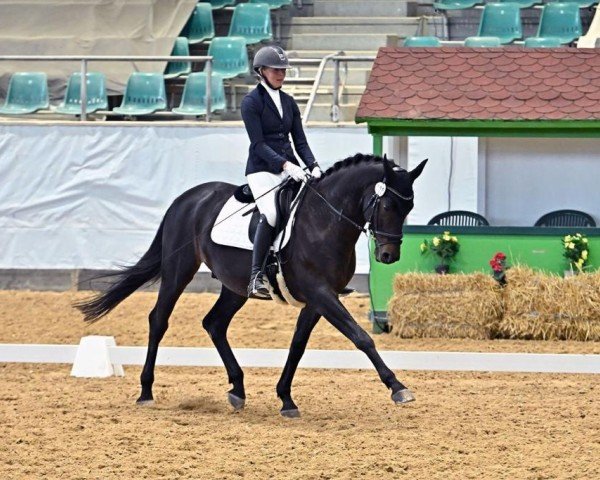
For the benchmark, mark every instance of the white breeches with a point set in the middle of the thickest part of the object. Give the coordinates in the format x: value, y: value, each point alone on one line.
x: 260, y: 183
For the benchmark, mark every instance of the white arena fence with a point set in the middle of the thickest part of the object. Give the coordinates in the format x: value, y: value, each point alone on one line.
x: 98, y: 356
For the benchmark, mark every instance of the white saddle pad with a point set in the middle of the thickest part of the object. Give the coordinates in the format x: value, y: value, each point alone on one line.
x: 231, y: 226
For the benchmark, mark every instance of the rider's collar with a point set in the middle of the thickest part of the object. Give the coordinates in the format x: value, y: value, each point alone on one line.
x: 265, y: 83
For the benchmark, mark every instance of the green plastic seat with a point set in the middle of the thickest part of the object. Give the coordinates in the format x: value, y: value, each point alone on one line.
x: 502, y: 20
x: 27, y: 93
x: 219, y: 3
x: 180, y: 49
x: 522, y: 3
x: 478, y: 42
x: 273, y: 4
x: 542, y: 42
x: 252, y: 21
x: 230, y: 56
x: 580, y: 3
x: 145, y: 93
x: 97, y: 98
x: 560, y: 20
x: 193, y: 100
x: 455, y: 4
x: 200, y: 26
x: 421, y: 42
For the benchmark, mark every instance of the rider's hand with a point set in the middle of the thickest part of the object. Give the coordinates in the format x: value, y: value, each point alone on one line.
x: 295, y: 171
x: 316, y: 171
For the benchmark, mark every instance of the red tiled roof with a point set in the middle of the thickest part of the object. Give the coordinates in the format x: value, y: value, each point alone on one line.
x: 511, y: 83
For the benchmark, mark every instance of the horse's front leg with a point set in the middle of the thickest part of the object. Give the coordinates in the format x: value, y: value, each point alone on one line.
x: 328, y: 305
x: 307, y: 320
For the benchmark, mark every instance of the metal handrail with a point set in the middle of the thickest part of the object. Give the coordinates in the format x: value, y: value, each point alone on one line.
x: 118, y: 58
x: 316, y: 85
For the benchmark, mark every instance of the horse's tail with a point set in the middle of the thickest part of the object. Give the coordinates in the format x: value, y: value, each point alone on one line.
x: 128, y: 280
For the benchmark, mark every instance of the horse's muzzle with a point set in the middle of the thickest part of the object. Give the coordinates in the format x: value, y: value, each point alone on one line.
x: 387, y: 254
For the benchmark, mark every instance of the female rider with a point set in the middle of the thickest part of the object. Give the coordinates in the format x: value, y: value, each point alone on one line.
x: 270, y: 115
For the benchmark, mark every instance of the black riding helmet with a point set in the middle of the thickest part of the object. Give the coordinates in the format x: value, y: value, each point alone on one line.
x: 270, y: 56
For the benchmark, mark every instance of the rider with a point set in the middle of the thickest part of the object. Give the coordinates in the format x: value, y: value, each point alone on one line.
x: 270, y: 115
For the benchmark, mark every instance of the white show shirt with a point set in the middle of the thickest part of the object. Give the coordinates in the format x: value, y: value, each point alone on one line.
x: 275, y: 96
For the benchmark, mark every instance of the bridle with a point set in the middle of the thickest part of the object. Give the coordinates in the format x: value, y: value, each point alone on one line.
x: 371, y: 229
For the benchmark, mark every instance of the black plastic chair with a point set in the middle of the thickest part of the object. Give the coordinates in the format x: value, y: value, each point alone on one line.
x: 566, y: 218
x: 459, y: 218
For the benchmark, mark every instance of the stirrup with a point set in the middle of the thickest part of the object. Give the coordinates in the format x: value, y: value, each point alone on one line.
x: 257, y: 288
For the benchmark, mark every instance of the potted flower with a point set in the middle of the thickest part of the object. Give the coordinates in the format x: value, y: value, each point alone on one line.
x: 445, y: 247
x: 498, y: 264
x: 576, y: 251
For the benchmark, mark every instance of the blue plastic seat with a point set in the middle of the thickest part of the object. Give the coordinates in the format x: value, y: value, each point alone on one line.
x: 193, y: 100
x: 200, y: 25
x: 560, y: 20
x: 502, y: 20
x: 421, y: 42
x: 219, y: 3
x: 180, y: 49
x: 542, y: 42
x: 455, y: 4
x: 477, y: 42
x: 145, y: 93
x: 581, y: 3
x: 230, y: 56
x: 97, y: 98
x: 522, y: 3
x: 273, y: 4
x: 252, y: 21
x: 27, y: 93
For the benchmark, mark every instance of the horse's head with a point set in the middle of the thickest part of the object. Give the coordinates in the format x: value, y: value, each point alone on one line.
x: 390, y: 205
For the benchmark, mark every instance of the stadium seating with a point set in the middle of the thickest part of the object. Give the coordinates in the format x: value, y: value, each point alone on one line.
x: 27, y: 93
x: 252, y: 21
x: 560, y: 20
x: 193, y: 101
x: 97, y: 98
x: 230, y: 56
x: 580, y: 3
x: 219, y: 3
x: 522, y: 3
x: 566, y: 218
x: 273, y: 4
x: 180, y: 49
x: 421, y: 42
x: 502, y: 20
x: 200, y: 26
x: 482, y: 42
x: 542, y: 42
x: 145, y: 93
x: 455, y: 4
x: 459, y: 218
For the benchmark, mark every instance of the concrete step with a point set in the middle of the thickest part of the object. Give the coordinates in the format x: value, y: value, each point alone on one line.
x: 360, y: 8
x: 354, y: 76
x: 338, y: 41
x: 402, y: 26
x: 321, y: 112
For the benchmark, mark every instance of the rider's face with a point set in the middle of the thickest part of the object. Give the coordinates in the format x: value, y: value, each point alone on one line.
x: 275, y: 76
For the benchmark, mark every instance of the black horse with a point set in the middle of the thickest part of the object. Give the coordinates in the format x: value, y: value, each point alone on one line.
x: 320, y: 263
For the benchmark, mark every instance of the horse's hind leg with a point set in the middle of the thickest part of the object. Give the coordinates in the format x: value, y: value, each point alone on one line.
x: 335, y: 312
x: 171, y: 288
x: 216, y: 323
x: 307, y: 320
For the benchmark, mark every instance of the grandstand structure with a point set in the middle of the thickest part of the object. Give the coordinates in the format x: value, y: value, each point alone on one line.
x: 107, y: 181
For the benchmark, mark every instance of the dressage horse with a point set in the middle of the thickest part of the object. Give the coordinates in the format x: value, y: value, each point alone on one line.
x: 320, y: 261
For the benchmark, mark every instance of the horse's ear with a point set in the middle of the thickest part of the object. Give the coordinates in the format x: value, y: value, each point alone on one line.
x: 417, y: 171
x: 388, y: 169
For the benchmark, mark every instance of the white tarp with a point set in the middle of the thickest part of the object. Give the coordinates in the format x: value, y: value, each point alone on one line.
x: 88, y: 27
x: 92, y: 196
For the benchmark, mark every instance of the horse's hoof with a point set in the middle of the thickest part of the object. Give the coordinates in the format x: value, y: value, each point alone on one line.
x: 292, y: 413
x: 145, y: 403
x: 236, y: 402
x: 403, y: 396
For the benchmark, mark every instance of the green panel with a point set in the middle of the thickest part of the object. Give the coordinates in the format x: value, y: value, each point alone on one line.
x: 542, y: 251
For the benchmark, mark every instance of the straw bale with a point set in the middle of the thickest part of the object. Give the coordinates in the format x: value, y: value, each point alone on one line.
x: 450, y: 306
x: 538, y: 306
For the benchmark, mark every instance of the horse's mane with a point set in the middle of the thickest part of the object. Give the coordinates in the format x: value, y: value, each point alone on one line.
x: 353, y: 160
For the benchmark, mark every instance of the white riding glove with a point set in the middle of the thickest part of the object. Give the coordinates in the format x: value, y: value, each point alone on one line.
x: 316, y: 172
x: 295, y: 172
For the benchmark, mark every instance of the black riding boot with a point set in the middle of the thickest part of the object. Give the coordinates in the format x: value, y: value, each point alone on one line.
x: 262, y: 242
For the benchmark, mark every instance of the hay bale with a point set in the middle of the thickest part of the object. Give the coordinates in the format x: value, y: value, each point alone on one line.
x: 548, y: 307
x: 449, y: 306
